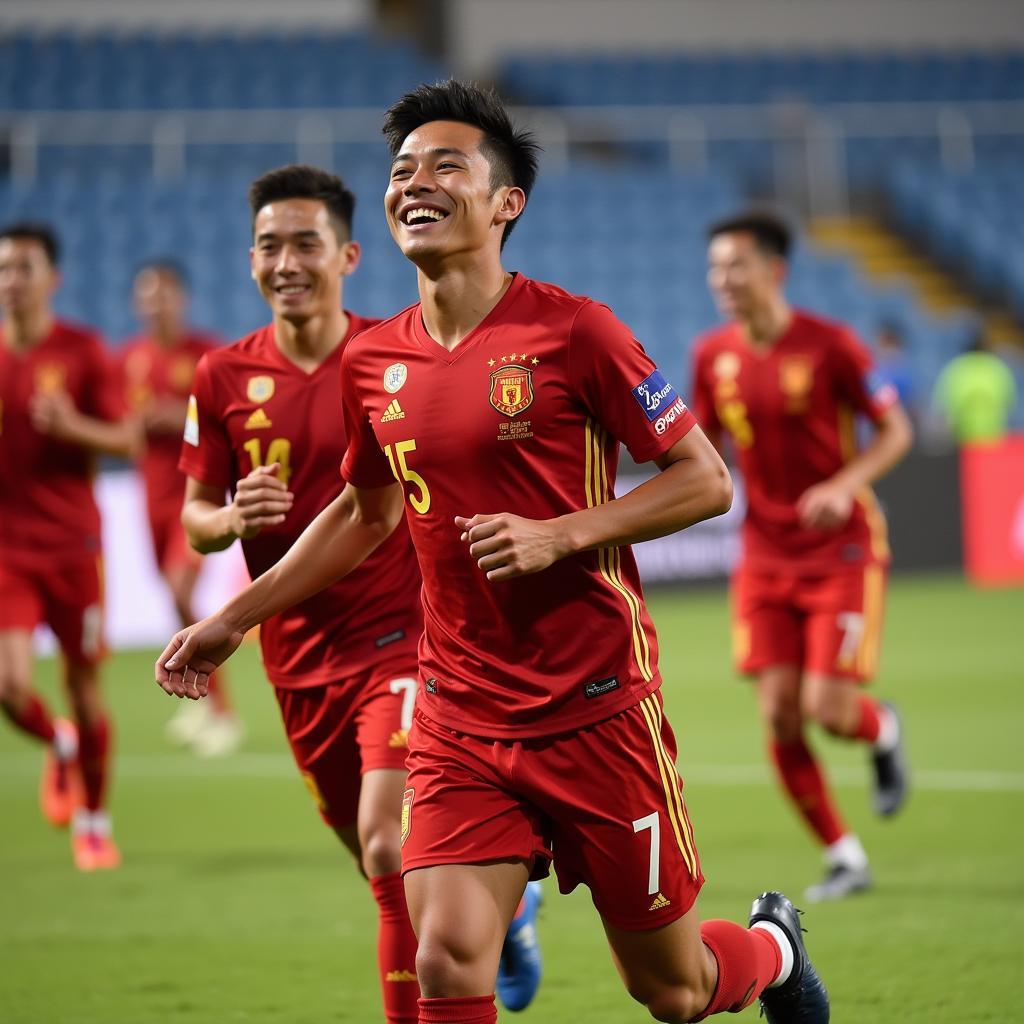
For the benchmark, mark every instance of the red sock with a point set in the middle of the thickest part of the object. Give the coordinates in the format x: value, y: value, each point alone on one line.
x: 804, y: 781
x: 396, y: 951
x: 462, y: 1010
x: 94, y: 758
x: 869, y: 720
x: 32, y: 717
x: 749, y: 960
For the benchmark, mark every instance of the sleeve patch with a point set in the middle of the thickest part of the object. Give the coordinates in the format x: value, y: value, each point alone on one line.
x: 655, y: 395
x: 191, y: 435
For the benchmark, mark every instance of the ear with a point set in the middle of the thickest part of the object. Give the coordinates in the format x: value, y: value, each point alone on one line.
x: 511, y: 206
x: 252, y: 262
x: 351, y: 253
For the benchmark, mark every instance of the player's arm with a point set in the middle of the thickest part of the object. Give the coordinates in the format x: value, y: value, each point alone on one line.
x: 55, y: 415
x: 165, y: 415
x: 828, y: 505
x: 693, y: 485
x: 212, y: 524
x: 338, y: 540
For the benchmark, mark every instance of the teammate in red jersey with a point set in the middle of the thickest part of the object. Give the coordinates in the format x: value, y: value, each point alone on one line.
x: 158, y: 368
x: 59, y: 408
x: 264, y: 424
x: 499, y: 403
x: 786, y: 386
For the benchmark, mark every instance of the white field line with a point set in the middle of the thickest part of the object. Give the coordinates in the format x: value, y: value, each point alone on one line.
x: 277, y: 766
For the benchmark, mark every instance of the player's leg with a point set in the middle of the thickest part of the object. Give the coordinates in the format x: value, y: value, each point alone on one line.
x: 211, y: 726
x: 769, y: 637
x: 461, y: 913
x: 632, y: 843
x: 469, y: 841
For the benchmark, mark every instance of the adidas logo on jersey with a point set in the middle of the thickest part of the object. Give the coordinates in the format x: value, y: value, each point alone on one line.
x: 660, y: 902
x: 392, y: 412
x: 402, y: 975
x: 399, y: 738
x: 259, y: 420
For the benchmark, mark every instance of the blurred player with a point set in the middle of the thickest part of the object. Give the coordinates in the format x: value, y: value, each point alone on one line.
x: 808, y: 594
x: 158, y: 369
x: 59, y: 408
x: 265, y: 424
x: 539, y: 729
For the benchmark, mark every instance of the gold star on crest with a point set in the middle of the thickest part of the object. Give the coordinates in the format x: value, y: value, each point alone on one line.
x: 504, y: 359
x: 534, y: 360
x: 512, y: 358
x: 522, y: 358
x: 490, y: 362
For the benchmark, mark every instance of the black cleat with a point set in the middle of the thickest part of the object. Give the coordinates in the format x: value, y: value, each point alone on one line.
x: 802, y: 998
x: 840, y: 881
x: 892, y: 775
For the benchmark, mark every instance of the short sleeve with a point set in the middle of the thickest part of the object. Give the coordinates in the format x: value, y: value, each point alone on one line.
x: 857, y: 380
x: 621, y: 387
x: 205, y: 447
x: 364, y: 464
x: 702, y: 395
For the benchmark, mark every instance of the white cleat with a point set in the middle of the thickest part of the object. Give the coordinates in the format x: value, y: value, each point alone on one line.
x: 188, y: 722
x: 220, y: 736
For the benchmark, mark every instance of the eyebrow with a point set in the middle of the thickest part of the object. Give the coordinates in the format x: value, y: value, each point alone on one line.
x: 439, y: 151
x: 271, y: 236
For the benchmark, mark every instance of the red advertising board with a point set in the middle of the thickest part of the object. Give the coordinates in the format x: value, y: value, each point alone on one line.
x: 992, y: 490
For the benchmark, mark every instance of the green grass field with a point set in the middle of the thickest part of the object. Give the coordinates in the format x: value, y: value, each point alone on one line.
x: 236, y: 904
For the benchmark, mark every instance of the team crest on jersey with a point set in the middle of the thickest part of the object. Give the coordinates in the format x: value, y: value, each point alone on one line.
x: 512, y: 389
x: 796, y: 376
x: 50, y: 378
x: 407, y: 798
x: 260, y: 389
x: 726, y: 366
x: 395, y: 377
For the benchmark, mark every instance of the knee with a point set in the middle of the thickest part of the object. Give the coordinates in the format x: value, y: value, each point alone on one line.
x: 381, y: 851
x: 822, y: 707
x: 783, y: 720
x: 675, y: 1004
x: 14, y: 687
x: 445, y: 964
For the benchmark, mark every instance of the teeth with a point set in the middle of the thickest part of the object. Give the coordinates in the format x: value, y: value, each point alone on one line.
x: 424, y: 212
x: 292, y: 289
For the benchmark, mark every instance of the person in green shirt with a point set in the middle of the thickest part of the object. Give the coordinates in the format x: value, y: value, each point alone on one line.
x: 976, y: 393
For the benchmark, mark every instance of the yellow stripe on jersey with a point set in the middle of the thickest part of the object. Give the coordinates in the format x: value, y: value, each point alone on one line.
x: 847, y: 434
x: 651, y: 711
x: 609, y: 560
x: 878, y: 532
x: 874, y: 600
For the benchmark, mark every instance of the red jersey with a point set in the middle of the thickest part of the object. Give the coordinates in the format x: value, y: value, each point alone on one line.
x: 152, y: 370
x: 251, y: 406
x: 524, y: 416
x: 790, y: 410
x: 47, y: 508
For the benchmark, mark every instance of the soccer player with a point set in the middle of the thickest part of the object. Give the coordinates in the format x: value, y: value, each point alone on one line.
x: 264, y: 424
x: 498, y: 403
x: 59, y: 408
x: 786, y: 386
x: 158, y: 368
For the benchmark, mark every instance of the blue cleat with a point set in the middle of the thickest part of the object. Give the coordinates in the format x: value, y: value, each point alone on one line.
x: 519, y: 969
x: 802, y: 998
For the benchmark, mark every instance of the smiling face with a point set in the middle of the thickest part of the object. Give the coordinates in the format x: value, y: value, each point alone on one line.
x: 298, y: 261
x: 440, y: 201
x: 742, y: 277
x: 27, y: 278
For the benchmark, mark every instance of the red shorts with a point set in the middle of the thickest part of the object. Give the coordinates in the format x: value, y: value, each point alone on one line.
x: 339, y: 731
x: 829, y: 624
x: 67, y: 597
x: 605, y: 803
x: 170, y: 545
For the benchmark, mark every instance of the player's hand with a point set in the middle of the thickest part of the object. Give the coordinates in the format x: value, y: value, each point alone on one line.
x: 506, y: 546
x: 183, y: 670
x: 261, y: 500
x: 54, y: 414
x: 825, y: 506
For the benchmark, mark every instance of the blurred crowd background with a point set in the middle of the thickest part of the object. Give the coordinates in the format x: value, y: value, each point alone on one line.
x: 891, y: 132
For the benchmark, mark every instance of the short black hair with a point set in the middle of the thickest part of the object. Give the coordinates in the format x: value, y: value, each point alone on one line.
x: 511, y: 151
x: 301, y: 181
x: 771, y: 233
x: 166, y: 265
x: 35, y: 231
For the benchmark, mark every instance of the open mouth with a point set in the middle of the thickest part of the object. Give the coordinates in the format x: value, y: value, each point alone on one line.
x: 291, y: 290
x: 422, y: 215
